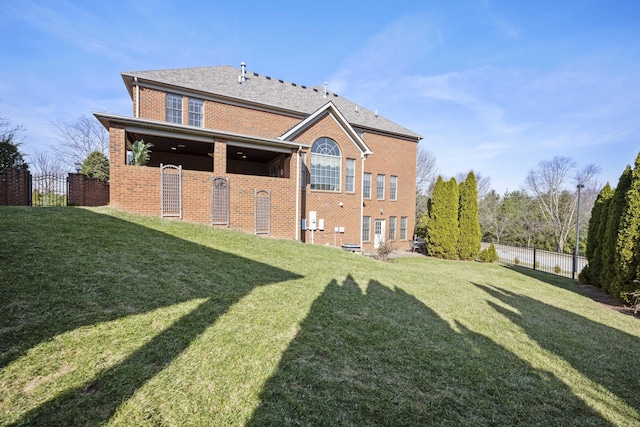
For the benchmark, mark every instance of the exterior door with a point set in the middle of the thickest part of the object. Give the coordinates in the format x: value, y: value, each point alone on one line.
x: 378, y: 233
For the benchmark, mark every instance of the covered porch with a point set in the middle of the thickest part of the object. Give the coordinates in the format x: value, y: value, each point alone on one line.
x: 250, y: 168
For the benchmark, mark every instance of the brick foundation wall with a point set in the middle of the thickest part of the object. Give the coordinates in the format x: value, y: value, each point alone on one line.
x: 138, y: 191
x: 14, y: 187
x: 85, y: 191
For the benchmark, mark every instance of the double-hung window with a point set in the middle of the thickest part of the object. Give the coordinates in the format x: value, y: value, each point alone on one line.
x: 366, y: 228
x: 196, y: 112
x: 380, y: 188
x: 392, y: 228
x: 393, y: 188
x: 350, y: 176
x: 174, y: 108
x: 403, y: 228
x: 366, y: 186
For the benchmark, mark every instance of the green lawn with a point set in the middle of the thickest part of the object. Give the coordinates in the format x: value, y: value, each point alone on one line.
x: 108, y: 318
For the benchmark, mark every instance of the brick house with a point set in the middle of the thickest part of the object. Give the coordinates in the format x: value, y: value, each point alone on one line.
x: 238, y: 149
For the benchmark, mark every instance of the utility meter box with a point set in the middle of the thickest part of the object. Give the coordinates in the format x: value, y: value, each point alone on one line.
x: 311, y: 221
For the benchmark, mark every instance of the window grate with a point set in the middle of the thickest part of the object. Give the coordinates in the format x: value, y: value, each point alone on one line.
x: 220, y: 201
x: 171, y: 191
x: 262, y: 212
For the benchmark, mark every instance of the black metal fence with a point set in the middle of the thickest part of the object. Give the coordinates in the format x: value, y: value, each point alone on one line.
x: 49, y: 190
x: 562, y: 264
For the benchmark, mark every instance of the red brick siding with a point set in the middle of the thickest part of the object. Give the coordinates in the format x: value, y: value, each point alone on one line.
x: 85, y: 191
x: 392, y: 156
x: 217, y: 115
x: 246, y: 121
x: 14, y: 187
x: 327, y: 204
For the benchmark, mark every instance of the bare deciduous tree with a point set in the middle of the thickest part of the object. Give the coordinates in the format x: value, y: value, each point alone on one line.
x: 79, y: 138
x: 426, y: 170
x: 44, y: 163
x: 9, y: 130
x: 550, y: 186
x: 426, y: 174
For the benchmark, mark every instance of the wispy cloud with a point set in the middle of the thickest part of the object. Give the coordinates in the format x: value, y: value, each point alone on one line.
x: 492, y: 18
x: 386, y: 55
x: 69, y: 24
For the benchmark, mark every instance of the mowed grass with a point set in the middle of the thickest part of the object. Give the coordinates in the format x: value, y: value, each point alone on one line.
x: 115, y: 319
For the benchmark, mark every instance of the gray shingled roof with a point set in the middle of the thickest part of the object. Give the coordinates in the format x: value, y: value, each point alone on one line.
x: 270, y: 92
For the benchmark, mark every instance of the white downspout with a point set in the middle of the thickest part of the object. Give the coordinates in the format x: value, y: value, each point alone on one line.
x: 298, y: 190
x: 364, y: 157
x: 135, y: 81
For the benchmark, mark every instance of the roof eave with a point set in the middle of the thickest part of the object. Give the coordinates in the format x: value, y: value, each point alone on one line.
x: 106, y: 119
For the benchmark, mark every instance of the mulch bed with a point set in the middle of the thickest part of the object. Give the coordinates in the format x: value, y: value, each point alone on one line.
x: 599, y: 295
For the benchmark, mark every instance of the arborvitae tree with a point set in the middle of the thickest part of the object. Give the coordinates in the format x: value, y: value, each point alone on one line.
x: 468, y: 226
x: 96, y: 165
x: 597, y: 226
x: 421, y: 226
x: 442, y: 226
x: 616, y: 207
x: 627, y: 257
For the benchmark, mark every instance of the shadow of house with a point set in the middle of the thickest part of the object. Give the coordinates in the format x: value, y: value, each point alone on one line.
x: 381, y: 357
x: 576, y: 340
x: 126, y: 269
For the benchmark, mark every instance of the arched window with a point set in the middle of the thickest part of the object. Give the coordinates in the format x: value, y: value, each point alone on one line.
x: 326, y: 165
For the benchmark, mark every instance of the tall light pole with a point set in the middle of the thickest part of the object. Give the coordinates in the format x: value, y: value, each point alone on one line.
x: 575, y: 255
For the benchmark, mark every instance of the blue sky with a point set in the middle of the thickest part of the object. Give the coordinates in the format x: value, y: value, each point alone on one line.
x: 494, y: 86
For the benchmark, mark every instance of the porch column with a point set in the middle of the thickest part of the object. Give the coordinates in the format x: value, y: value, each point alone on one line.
x: 220, y: 157
x: 117, y: 145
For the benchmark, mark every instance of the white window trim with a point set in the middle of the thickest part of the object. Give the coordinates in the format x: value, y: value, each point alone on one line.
x: 378, y: 186
x: 201, y: 114
x: 365, y: 174
x: 393, y: 189
x: 366, y: 238
x: 353, y: 176
x: 167, y: 108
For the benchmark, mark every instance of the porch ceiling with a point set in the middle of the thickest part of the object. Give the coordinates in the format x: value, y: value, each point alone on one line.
x: 198, y: 148
x: 250, y: 154
x: 174, y: 145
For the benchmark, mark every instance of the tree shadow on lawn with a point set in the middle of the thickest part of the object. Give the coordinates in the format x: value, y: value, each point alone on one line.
x: 381, y: 357
x: 601, y: 353
x: 550, y: 278
x: 119, y: 268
